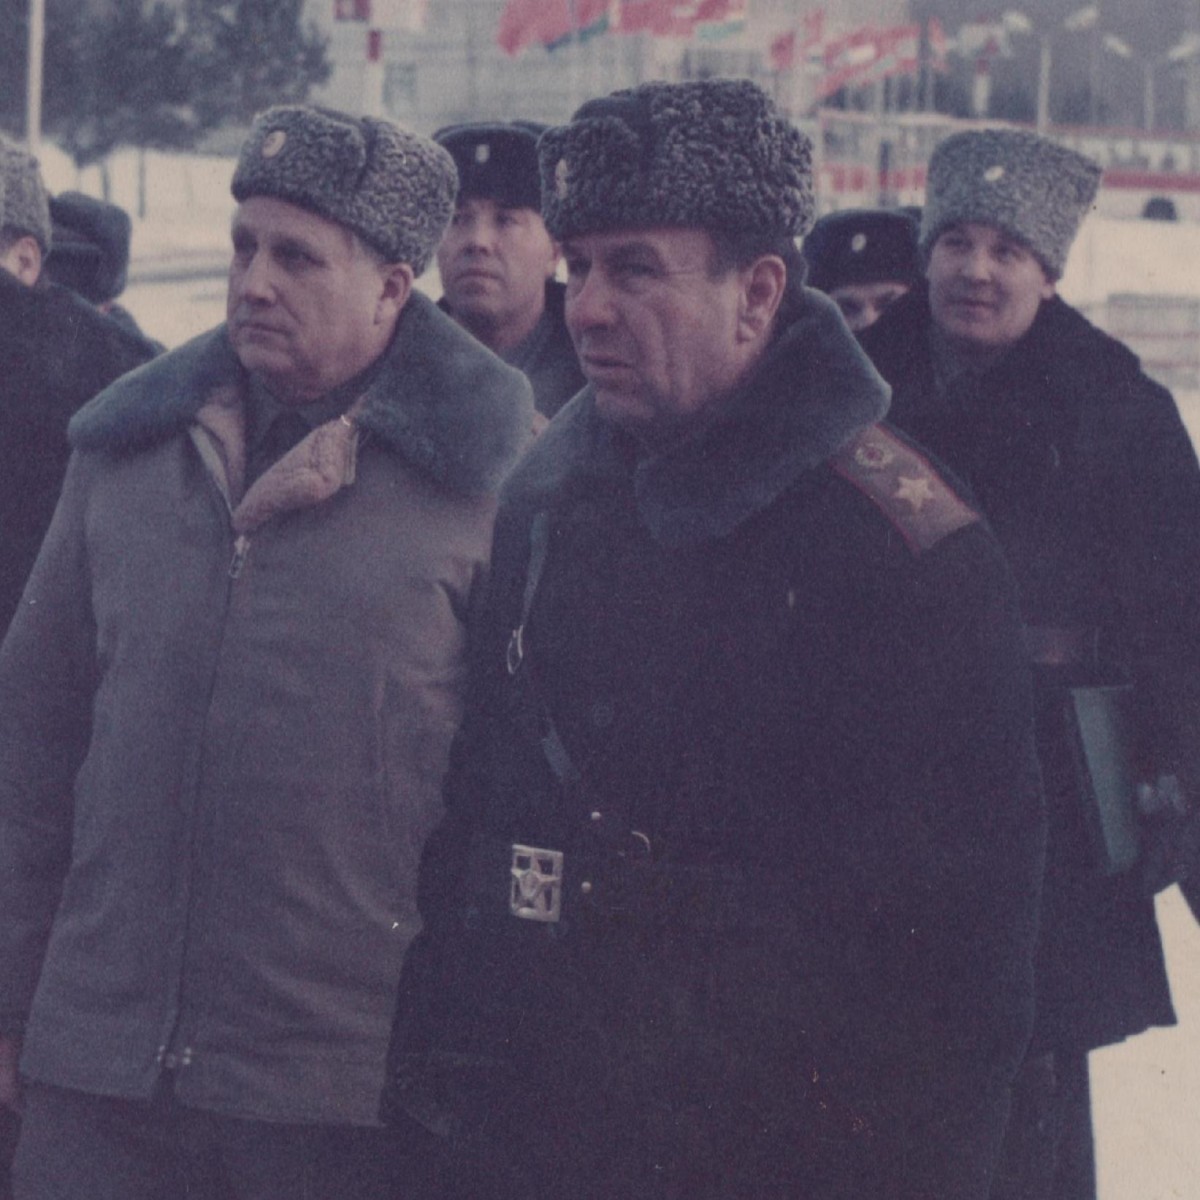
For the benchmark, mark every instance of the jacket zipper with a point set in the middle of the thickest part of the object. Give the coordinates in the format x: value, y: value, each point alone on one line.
x: 241, y: 547
x: 172, y: 1057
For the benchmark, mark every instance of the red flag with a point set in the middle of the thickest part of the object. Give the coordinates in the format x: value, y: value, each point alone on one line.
x: 848, y: 59
x: 812, y: 32
x: 663, y: 18
x: 542, y: 22
x: 899, y: 52
x: 939, y: 45
x: 716, y: 19
x: 783, y: 51
x: 351, y: 10
x: 867, y: 55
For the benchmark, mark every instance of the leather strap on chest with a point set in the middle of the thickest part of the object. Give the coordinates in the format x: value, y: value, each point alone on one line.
x: 557, y: 756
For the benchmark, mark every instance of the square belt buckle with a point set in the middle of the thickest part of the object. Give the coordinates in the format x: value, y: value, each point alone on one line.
x: 536, y: 893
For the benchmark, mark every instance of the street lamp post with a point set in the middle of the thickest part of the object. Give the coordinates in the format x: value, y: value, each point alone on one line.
x: 1185, y: 50
x: 33, y: 80
x: 1077, y: 22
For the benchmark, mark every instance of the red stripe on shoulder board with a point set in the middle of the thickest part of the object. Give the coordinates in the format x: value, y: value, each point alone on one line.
x: 899, y: 481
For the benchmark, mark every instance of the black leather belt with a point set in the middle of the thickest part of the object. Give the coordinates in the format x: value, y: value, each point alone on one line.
x: 544, y: 884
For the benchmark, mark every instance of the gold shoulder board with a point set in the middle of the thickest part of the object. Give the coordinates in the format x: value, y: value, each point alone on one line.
x: 918, y: 502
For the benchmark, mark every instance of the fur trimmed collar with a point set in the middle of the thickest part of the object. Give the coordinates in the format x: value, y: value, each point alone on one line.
x: 1061, y: 354
x: 809, y: 394
x: 445, y: 405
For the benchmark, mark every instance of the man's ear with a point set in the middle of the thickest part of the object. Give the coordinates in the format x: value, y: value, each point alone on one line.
x: 24, y: 259
x: 763, y: 285
x: 398, y: 280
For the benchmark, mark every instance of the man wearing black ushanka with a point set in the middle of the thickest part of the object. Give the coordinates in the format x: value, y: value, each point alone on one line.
x: 863, y: 259
x: 497, y: 262
x: 737, y: 888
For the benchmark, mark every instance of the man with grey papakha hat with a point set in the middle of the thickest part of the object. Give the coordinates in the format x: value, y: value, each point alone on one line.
x: 709, y: 916
x: 1032, y: 188
x: 259, y: 575
x: 1084, y: 468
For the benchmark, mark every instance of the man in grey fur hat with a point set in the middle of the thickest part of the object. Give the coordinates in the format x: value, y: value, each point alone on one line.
x: 736, y: 891
x: 227, y: 700
x: 1084, y: 469
x: 497, y: 262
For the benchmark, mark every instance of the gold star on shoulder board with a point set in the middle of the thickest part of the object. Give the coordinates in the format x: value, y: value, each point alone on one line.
x: 915, y: 490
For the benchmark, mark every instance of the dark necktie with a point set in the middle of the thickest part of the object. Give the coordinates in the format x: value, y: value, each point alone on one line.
x: 284, y: 432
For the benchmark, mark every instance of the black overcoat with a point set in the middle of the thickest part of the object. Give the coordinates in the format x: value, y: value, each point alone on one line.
x: 801, y: 859
x: 1083, y: 467
x: 56, y: 352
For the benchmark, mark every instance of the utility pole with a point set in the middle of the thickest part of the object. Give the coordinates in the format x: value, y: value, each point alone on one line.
x: 33, y: 90
x: 1192, y: 92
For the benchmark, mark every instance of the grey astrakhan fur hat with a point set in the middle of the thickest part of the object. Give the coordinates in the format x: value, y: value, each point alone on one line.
x: 1032, y: 188
x: 392, y: 187
x: 26, y: 206
x: 862, y: 245
x: 714, y: 155
x: 496, y: 160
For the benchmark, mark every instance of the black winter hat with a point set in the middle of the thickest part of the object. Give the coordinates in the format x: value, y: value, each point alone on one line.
x: 394, y: 188
x: 496, y: 160
x: 90, y: 251
x: 714, y: 154
x: 862, y: 245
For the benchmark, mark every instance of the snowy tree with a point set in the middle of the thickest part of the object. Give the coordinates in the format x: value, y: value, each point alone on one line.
x: 154, y: 73
x: 250, y: 54
x: 124, y: 80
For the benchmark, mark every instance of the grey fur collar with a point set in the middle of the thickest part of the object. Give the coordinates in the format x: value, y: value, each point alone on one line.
x: 810, y: 393
x: 444, y: 404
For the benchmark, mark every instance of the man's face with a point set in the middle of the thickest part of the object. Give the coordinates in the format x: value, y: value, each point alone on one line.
x: 657, y: 333
x: 862, y: 304
x: 494, y: 262
x: 985, y: 287
x: 309, y: 307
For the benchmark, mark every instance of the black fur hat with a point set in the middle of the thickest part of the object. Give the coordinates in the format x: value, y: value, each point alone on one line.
x: 862, y: 245
x: 90, y: 252
x: 715, y: 154
x: 392, y: 187
x: 496, y: 160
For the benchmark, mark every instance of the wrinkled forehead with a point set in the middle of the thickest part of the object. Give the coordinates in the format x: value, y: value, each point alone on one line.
x: 984, y: 233
x: 668, y: 242
x: 268, y: 218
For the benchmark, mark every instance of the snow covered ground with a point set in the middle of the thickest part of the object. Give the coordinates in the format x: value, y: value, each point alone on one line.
x: 1147, y: 1091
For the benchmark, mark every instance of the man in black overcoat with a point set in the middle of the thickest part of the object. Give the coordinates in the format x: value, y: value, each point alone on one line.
x: 497, y: 261
x: 737, y: 889
x: 1084, y: 470
x: 56, y: 352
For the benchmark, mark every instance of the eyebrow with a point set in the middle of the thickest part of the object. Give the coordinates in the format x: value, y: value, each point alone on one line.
x: 635, y: 250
